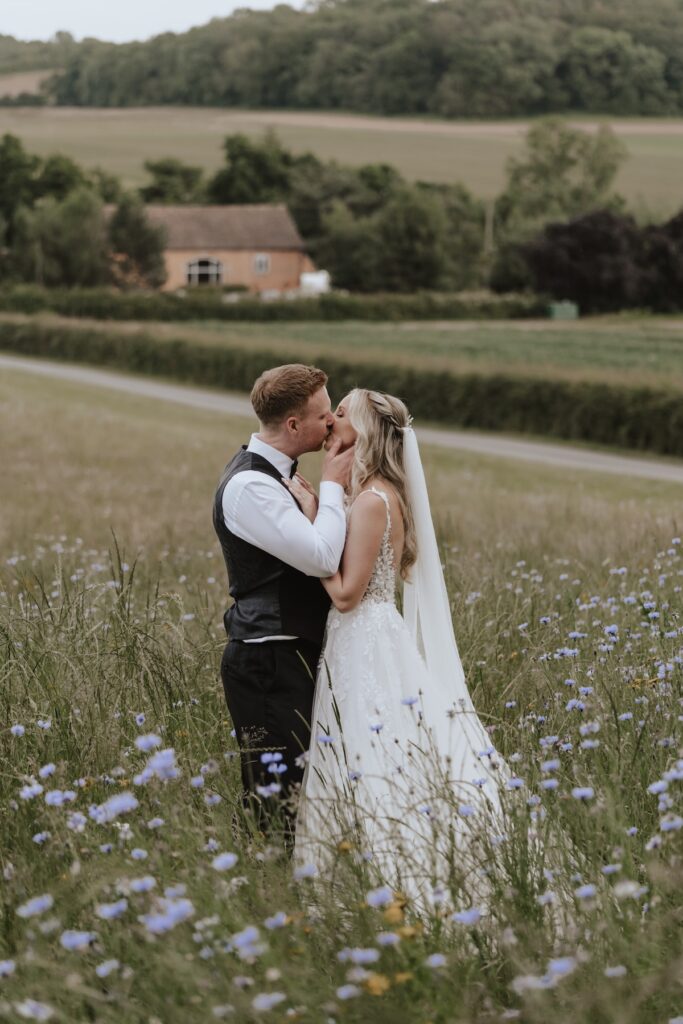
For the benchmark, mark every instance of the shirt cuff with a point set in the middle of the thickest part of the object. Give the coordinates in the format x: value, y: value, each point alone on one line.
x: 331, y: 493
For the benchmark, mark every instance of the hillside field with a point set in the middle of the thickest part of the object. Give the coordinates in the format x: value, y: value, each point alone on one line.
x: 474, y: 153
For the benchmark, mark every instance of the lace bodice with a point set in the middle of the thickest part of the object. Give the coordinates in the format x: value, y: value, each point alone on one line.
x: 382, y: 585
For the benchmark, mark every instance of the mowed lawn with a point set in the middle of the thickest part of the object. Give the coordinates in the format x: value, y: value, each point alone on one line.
x: 474, y: 153
x: 635, y: 350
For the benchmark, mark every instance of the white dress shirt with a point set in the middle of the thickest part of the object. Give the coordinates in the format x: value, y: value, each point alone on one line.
x: 260, y: 510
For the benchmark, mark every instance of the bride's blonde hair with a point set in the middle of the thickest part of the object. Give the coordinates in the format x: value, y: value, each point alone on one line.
x: 378, y: 420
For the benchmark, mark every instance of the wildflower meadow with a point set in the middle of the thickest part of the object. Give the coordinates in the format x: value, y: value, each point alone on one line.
x: 131, y: 890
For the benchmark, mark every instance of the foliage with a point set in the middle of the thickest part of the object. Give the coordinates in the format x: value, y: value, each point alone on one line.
x: 62, y: 242
x: 173, y: 182
x: 600, y: 413
x: 254, y: 172
x: 18, y: 170
x: 450, y: 58
x: 564, y: 172
x: 205, y: 304
x: 603, y: 261
x: 137, y: 246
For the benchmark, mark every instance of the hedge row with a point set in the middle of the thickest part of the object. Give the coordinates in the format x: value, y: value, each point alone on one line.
x: 639, y: 418
x: 104, y: 304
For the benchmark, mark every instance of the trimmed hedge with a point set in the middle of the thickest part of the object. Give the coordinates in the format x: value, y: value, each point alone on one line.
x: 640, y: 418
x: 104, y: 304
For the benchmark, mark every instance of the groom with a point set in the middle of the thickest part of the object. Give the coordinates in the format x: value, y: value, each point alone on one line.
x: 275, y: 558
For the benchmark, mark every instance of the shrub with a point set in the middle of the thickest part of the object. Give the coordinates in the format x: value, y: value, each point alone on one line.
x: 104, y: 304
x: 610, y: 414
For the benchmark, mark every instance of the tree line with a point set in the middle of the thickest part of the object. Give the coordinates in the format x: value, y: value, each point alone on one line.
x: 451, y: 58
x: 557, y: 229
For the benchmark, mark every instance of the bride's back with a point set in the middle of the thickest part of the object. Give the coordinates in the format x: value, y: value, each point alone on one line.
x: 397, y: 532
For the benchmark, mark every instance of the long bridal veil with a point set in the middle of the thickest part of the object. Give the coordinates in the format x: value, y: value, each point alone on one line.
x: 426, y: 608
x: 456, y: 729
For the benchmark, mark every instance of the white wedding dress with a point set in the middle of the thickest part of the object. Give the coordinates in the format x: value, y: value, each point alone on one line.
x: 400, y: 768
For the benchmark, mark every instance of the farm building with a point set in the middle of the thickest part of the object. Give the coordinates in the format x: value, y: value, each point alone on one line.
x: 256, y: 246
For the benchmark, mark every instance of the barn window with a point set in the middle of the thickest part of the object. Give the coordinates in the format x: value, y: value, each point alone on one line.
x: 204, y: 271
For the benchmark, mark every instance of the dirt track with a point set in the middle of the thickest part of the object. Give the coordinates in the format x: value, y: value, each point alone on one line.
x: 558, y: 456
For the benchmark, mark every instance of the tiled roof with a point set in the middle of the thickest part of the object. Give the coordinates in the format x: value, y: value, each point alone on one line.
x: 262, y: 226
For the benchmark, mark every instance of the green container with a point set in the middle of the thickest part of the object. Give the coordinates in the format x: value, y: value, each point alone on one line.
x: 563, y: 311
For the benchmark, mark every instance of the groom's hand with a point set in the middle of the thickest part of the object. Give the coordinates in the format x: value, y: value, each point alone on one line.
x: 337, y: 464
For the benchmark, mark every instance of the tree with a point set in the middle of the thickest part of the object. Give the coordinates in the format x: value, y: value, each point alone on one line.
x: 62, y: 242
x: 411, y: 242
x: 173, y: 182
x: 255, y: 171
x: 58, y: 176
x: 349, y: 248
x: 18, y: 171
x: 661, y: 260
x: 563, y: 173
x: 137, y: 246
x: 608, y: 72
x: 592, y: 260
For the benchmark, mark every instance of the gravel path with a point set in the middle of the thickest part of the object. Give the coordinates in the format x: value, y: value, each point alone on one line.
x: 560, y: 456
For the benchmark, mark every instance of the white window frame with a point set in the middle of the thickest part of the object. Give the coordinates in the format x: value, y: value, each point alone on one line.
x: 210, y: 266
x: 262, y: 263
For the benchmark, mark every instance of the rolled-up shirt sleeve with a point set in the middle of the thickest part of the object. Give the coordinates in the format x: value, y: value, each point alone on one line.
x: 259, y: 510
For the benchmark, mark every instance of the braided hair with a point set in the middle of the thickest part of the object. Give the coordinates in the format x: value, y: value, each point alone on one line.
x: 379, y: 421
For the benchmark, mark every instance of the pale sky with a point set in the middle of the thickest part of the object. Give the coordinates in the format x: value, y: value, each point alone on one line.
x: 119, y: 21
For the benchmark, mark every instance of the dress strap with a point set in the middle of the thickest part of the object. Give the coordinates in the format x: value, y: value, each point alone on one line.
x: 385, y: 498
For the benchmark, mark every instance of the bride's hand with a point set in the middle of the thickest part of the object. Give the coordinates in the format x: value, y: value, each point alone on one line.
x: 304, y: 494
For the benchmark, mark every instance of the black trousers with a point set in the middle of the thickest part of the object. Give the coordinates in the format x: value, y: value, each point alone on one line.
x: 269, y: 692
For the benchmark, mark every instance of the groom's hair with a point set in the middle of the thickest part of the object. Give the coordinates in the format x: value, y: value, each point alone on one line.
x: 284, y: 391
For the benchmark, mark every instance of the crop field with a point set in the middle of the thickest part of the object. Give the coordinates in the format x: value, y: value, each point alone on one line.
x: 636, y: 350
x: 474, y: 153
x: 15, y: 82
x: 131, y: 895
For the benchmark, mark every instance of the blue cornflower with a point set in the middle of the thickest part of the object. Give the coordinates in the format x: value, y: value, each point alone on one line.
x: 467, y: 917
x: 76, y: 940
x: 148, y: 742
x: 379, y: 897
x: 347, y: 992
x: 143, y: 884
x: 104, y: 969
x: 583, y: 792
x: 224, y: 861
x: 16, y: 730
x: 37, y: 905
x: 278, y: 920
x: 110, y: 911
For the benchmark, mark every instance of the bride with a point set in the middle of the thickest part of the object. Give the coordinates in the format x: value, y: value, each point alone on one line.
x: 400, y: 770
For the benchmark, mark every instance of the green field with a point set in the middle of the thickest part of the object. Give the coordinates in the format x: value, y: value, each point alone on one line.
x: 93, y: 639
x: 472, y: 152
x: 635, y: 350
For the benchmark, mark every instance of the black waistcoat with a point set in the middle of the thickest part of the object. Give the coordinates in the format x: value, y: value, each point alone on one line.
x: 271, y: 598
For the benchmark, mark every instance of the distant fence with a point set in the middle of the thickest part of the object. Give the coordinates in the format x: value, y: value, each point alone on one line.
x: 610, y: 414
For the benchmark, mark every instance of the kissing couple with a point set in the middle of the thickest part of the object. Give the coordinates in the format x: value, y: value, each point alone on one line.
x: 341, y: 704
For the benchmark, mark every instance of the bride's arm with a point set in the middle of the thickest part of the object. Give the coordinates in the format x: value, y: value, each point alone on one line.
x: 367, y: 521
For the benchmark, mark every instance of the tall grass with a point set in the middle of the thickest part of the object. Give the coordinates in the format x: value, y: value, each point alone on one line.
x: 567, y: 606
